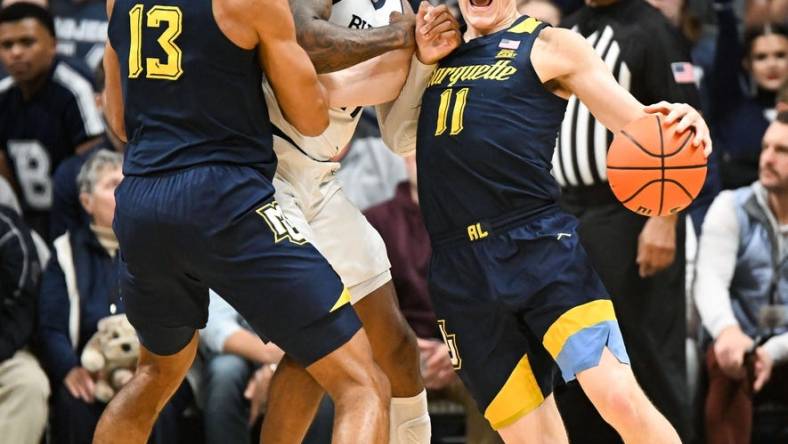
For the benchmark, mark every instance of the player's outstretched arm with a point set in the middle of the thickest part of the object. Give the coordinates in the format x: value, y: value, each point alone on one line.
x: 113, y: 96
x: 567, y: 64
x: 332, y: 47
x: 293, y: 79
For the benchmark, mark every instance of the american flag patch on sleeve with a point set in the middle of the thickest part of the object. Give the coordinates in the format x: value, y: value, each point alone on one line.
x: 683, y: 72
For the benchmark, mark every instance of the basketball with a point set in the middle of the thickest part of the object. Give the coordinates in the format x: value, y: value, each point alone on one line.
x: 652, y: 169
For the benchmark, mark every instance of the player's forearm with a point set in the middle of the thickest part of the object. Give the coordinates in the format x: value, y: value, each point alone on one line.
x: 332, y: 47
x: 350, y: 87
x: 398, y: 120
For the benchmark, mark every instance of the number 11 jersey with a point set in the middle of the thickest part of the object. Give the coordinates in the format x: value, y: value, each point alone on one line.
x: 191, y: 95
x: 486, y: 134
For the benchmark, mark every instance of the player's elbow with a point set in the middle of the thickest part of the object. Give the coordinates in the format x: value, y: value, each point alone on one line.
x: 313, y: 123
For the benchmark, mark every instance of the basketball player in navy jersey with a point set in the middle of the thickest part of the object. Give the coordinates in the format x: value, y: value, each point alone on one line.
x: 196, y: 208
x: 518, y: 303
x: 362, y: 50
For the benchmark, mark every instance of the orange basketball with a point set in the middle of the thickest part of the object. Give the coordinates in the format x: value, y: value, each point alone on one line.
x: 652, y: 169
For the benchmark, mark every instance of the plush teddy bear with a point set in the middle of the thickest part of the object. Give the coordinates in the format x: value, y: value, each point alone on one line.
x: 111, y: 354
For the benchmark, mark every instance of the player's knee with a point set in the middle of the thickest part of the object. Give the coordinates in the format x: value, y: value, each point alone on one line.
x: 621, y: 406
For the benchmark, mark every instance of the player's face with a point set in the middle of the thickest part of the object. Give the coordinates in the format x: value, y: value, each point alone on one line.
x: 100, y: 203
x: 773, y: 173
x: 769, y: 61
x: 487, y: 16
x: 26, y: 49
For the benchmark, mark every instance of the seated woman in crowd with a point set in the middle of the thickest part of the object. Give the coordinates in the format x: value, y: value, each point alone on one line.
x: 79, y: 288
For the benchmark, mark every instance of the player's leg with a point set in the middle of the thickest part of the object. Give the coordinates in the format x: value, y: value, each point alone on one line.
x: 357, y: 252
x: 292, y: 389
x: 263, y: 266
x: 163, y: 303
x: 359, y: 389
x: 342, y: 234
x: 130, y: 415
x: 504, y: 366
x: 542, y: 425
x: 574, y: 317
x: 612, y: 388
x: 396, y: 352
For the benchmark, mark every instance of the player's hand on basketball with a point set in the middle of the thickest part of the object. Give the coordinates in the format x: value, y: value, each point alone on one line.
x: 687, y: 117
x: 656, y: 245
x: 729, y: 349
x: 80, y: 384
x: 437, y: 33
x: 763, y: 368
x: 257, y: 391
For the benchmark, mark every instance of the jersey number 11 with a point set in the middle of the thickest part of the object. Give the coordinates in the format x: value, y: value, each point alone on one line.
x: 169, y: 70
x: 456, y: 114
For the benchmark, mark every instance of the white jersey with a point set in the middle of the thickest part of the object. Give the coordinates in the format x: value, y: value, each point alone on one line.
x: 355, y: 14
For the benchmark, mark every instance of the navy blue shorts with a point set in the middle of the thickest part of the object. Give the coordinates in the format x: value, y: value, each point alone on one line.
x: 218, y: 227
x: 521, y: 310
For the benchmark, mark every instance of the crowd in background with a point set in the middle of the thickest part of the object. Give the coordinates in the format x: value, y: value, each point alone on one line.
x: 702, y: 298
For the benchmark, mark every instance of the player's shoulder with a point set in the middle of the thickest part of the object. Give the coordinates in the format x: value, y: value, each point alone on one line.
x: 557, y: 42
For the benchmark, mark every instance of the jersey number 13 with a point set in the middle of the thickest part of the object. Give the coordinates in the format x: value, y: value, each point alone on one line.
x: 154, y: 68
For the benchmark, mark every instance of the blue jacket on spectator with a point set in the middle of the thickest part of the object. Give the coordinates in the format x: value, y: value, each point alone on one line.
x: 78, y: 288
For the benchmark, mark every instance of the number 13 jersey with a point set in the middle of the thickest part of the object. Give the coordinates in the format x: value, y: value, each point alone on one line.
x: 191, y: 95
x: 486, y: 133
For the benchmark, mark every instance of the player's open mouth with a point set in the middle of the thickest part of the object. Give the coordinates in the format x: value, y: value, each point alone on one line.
x: 481, y: 3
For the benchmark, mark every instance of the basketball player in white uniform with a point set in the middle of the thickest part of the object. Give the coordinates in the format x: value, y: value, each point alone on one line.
x: 363, y: 53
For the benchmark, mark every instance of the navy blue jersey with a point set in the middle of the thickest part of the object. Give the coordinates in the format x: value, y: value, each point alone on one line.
x: 191, y: 96
x: 39, y: 132
x: 487, y: 132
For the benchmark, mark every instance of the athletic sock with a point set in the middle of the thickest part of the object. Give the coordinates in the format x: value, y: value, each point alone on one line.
x: 410, y: 422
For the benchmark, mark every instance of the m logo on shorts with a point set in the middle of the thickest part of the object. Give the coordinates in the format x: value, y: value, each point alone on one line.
x: 451, y: 342
x: 279, y: 225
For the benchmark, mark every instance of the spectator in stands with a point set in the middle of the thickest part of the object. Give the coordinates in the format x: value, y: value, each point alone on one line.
x: 544, y: 10
x: 79, y: 288
x: 644, y: 273
x: 67, y: 212
x: 400, y: 225
x: 739, y: 115
x: 236, y: 378
x: 24, y: 388
x: 81, y: 29
x: 742, y: 282
x: 47, y: 110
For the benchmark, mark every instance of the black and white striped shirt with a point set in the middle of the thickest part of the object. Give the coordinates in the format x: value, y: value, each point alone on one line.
x: 638, y: 46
